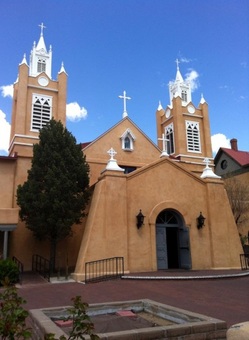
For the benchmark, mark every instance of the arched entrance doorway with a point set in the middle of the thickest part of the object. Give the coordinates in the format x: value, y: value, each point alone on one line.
x: 172, y: 241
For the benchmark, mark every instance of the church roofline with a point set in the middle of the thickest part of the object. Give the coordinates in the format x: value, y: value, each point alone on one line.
x: 9, y: 158
x: 172, y: 162
x: 114, y: 126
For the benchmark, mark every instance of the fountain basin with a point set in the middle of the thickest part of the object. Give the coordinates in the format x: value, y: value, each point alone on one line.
x: 145, y: 319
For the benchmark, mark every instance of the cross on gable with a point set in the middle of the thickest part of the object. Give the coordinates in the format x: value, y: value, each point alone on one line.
x: 112, y: 153
x: 125, y: 98
x: 207, y: 162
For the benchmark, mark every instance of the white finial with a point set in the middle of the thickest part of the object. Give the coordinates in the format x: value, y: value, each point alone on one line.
x: 42, y: 27
x: 112, y: 163
x: 202, y: 99
x: 164, y: 140
x: 208, y: 172
x: 159, y: 106
x: 125, y: 114
x: 112, y: 153
x: 24, y: 61
x: 62, y: 69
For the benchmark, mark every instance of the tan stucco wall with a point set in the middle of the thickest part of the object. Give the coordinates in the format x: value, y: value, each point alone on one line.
x: 143, y: 153
x: 7, y: 180
x: 161, y: 185
x: 21, y: 241
x: 8, y: 216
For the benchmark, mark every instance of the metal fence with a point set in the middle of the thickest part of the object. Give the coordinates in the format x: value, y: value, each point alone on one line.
x: 105, y: 269
x: 20, y: 268
x: 42, y: 266
x: 244, y: 261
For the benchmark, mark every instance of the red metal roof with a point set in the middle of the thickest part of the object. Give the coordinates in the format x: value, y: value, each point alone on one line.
x: 84, y: 145
x: 241, y: 157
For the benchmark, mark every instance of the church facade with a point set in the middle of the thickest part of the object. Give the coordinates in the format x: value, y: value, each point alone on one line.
x: 187, y: 221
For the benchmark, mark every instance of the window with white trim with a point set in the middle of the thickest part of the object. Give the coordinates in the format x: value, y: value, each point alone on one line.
x: 127, y: 140
x: 41, y: 65
x: 184, y: 95
x: 41, y: 111
x: 169, y: 134
x: 193, y: 136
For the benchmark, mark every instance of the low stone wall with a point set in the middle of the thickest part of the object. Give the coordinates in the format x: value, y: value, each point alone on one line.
x: 187, y: 325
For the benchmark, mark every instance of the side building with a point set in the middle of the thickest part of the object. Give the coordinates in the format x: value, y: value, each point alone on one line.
x: 234, y: 164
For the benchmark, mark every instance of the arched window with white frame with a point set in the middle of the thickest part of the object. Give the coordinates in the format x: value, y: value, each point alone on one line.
x: 41, y: 111
x: 184, y: 95
x: 169, y: 134
x: 41, y: 65
x: 127, y: 140
x: 193, y: 136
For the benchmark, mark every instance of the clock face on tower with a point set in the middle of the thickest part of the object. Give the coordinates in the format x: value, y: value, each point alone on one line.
x: 167, y: 113
x: 43, y: 81
x: 191, y: 109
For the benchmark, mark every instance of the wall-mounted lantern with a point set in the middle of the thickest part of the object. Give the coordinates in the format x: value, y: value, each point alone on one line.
x: 200, y: 221
x: 140, y: 219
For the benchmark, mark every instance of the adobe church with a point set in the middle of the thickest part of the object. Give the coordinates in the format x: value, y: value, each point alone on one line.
x: 158, y: 205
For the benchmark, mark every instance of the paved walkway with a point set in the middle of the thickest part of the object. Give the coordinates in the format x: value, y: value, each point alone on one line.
x: 225, y: 298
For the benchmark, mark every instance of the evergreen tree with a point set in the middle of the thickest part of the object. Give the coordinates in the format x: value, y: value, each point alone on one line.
x: 56, y: 192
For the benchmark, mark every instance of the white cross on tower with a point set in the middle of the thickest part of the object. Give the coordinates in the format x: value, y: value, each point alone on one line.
x: 112, y: 153
x: 177, y: 63
x: 42, y: 27
x: 164, y: 140
x: 125, y: 98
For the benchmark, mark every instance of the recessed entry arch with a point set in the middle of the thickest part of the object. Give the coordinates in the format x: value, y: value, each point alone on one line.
x: 172, y: 241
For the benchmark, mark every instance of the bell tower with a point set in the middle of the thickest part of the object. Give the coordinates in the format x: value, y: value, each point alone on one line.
x: 37, y: 98
x: 40, y: 58
x: 184, y: 126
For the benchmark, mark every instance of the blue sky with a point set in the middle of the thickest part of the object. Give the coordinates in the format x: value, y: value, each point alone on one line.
x: 109, y: 46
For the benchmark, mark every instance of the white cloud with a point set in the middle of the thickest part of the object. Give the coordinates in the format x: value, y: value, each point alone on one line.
x: 219, y: 140
x: 225, y: 87
x: 192, y: 78
x: 7, y: 91
x: 185, y: 60
x: 75, y: 113
x: 4, y: 133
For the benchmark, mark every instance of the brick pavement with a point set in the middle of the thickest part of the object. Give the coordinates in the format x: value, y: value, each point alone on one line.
x: 226, y: 299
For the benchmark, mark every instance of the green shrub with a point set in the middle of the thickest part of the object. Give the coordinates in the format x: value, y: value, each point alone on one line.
x: 8, y: 271
x: 13, y: 316
x: 82, y: 324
